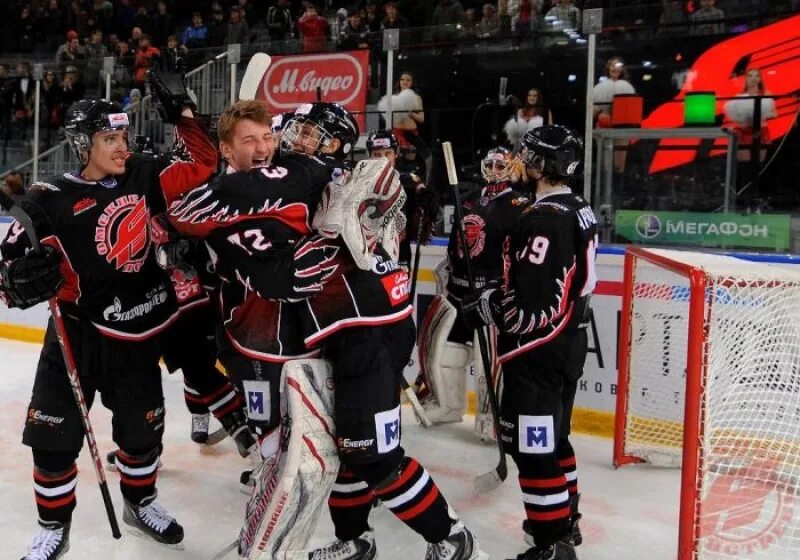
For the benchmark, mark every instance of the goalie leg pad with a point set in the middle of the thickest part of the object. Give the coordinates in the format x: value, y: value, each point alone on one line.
x: 484, y: 422
x: 293, y: 486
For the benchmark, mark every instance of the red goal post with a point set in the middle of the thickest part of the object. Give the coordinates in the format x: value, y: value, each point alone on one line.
x: 709, y: 381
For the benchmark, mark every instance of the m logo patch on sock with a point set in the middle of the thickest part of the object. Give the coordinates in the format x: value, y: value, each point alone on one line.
x: 387, y: 428
x: 536, y: 434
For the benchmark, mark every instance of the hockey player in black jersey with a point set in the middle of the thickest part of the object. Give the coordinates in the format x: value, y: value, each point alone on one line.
x: 541, y: 310
x: 361, y: 320
x: 445, y: 343
x: 422, y: 206
x: 93, y: 224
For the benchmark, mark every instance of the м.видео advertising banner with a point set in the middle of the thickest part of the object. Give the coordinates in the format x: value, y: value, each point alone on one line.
x: 764, y: 231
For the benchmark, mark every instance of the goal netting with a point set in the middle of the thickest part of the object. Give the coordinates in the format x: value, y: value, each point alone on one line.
x: 710, y: 382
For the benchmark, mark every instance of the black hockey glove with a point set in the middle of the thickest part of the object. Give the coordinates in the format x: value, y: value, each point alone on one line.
x: 315, y: 263
x: 31, y: 279
x: 172, y: 251
x: 170, y: 91
x: 426, y: 212
x: 481, y: 308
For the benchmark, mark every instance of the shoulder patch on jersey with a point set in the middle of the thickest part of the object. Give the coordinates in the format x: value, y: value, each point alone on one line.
x: 42, y: 186
x: 520, y: 201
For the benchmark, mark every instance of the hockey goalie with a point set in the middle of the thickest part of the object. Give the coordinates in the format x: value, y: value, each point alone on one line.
x: 445, y: 345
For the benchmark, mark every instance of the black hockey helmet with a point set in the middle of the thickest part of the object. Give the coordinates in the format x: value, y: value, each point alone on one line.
x: 86, y: 117
x: 555, y: 150
x: 497, y: 164
x: 381, y: 140
x: 327, y: 121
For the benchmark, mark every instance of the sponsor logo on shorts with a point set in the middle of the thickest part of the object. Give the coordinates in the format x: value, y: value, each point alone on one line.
x: 387, y: 429
x: 155, y: 418
x: 36, y: 416
x: 396, y: 286
x: 347, y: 443
x: 536, y: 434
x: 258, y: 400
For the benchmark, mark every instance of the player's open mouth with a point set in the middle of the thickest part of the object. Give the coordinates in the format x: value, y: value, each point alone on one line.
x: 258, y: 162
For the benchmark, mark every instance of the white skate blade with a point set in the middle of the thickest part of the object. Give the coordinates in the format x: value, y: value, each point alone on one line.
x: 142, y: 535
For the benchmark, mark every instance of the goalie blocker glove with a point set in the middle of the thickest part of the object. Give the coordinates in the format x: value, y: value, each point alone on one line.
x: 31, y: 279
x: 169, y: 89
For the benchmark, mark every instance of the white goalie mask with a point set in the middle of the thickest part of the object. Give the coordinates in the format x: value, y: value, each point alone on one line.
x: 497, y: 165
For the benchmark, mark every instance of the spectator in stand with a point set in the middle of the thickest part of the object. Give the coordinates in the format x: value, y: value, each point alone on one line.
x: 418, y: 12
x: 279, y: 21
x: 122, y: 78
x: 134, y: 99
x: 249, y: 11
x: 217, y: 27
x: 51, y: 97
x: 533, y: 114
x: 26, y: 34
x: 196, y: 35
x: 567, y: 13
x: 146, y: 57
x: 393, y: 19
x: 124, y: 15
x: 371, y: 19
x: 742, y: 112
x: 337, y: 23
x: 172, y: 57
x: 136, y: 34
x: 6, y: 102
x: 313, y: 29
x: 238, y: 30
x: 111, y: 43
x: 102, y: 12
x: 95, y: 52
x: 143, y: 20
x: 615, y: 82
x: 71, y: 53
x: 52, y: 24
x: 522, y: 16
x: 446, y: 16
x: 672, y: 20
x: 22, y: 97
x: 13, y: 185
x: 708, y: 20
x: 489, y: 25
x: 406, y: 117
x: 72, y: 89
x: 163, y: 25
x: 354, y: 35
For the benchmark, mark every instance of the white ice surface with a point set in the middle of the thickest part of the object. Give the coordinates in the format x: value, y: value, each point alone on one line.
x: 629, y: 513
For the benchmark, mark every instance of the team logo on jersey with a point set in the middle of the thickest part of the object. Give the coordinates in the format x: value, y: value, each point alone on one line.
x: 474, y: 229
x: 83, y: 205
x: 387, y: 429
x: 122, y: 235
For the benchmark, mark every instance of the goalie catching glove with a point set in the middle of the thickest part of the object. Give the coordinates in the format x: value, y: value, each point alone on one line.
x: 31, y: 279
x: 169, y: 89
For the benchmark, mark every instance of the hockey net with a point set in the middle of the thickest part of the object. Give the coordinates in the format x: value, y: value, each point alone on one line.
x: 709, y: 381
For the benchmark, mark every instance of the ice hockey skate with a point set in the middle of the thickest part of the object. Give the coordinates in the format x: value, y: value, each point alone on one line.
x: 200, y: 427
x: 360, y: 548
x: 461, y: 544
x: 573, y: 537
x: 152, y: 520
x: 558, y: 551
x: 50, y: 543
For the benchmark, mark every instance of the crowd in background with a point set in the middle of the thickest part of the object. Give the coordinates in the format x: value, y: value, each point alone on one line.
x: 74, y: 36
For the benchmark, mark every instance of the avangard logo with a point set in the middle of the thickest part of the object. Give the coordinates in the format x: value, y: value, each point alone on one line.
x: 648, y: 226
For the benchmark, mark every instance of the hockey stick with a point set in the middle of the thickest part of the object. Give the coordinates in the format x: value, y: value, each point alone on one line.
x: 492, y: 479
x: 419, y: 411
x: 69, y: 361
x: 417, y: 255
x: 253, y: 74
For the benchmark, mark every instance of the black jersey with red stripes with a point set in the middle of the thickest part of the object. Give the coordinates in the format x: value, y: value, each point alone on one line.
x: 489, y: 214
x: 549, y: 272
x: 102, y: 228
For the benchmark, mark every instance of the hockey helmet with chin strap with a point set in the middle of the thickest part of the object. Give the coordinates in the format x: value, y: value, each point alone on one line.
x: 382, y: 140
x: 313, y: 126
x: 88, y: 116
x: 497, y: 165
x: 554, y: 150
